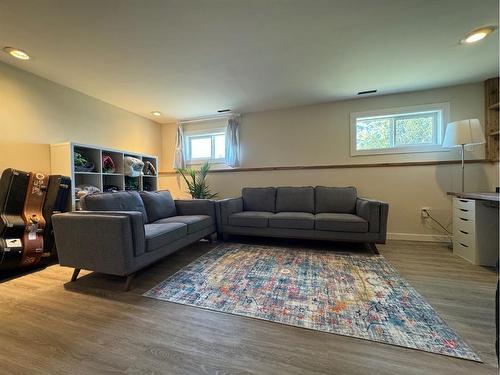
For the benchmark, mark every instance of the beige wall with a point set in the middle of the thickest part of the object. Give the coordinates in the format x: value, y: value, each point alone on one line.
x: 319, y: 134
x: 35, y: 112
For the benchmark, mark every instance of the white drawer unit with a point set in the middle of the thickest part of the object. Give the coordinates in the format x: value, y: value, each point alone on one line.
x: 475, y: 231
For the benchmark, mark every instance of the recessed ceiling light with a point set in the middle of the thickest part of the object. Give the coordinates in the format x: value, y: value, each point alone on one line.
x: 477, y: 35
x: 17, y: 53
x: 156, y: 113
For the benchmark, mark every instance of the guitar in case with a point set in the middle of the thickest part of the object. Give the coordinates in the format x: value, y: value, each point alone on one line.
x: 33, y: 219
x: 56, y: 201
x: 13, y: 189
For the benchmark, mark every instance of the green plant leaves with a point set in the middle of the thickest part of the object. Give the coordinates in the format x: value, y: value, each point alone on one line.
x: 196, y: 181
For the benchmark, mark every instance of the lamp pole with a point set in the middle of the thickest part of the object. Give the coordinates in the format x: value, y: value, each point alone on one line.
x: 462, y: 151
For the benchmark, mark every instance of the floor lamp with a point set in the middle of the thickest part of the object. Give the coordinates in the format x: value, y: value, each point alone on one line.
x: 463, y: 133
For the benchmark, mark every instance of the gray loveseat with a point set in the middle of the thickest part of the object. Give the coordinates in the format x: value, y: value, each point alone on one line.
x: 120, y: 233
x: 323, y: 213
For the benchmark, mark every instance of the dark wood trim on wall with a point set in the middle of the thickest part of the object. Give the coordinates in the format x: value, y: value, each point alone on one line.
x: 337, y: 166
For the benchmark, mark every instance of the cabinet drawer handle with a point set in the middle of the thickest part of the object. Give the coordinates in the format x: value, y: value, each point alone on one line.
x: 463, y: 244
x: 463, y: 210
x: 463, y: 200
x: 464, y: 232
x: 464, y: 219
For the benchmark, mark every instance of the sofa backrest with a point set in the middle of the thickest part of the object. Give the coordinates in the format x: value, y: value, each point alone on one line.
x: 319, y: 199
x: 295, y: 199
x: 158, y: 204
x: 335, y: 199
x: 259, y: 199
x: 119, y: 201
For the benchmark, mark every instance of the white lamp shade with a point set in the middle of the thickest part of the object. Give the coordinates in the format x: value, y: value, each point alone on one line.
x: 463, y: 132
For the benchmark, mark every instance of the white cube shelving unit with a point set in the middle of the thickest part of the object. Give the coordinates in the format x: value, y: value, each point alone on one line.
x: 62, y: 162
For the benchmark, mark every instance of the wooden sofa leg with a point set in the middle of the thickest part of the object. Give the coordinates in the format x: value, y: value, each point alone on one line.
x: 209, y: 238
x: 373, y: 248
x: 76, y: 271
x: 128, y: 282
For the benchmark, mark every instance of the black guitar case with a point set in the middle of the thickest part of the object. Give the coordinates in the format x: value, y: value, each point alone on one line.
x: 13, y: 189
x: 56, y: 201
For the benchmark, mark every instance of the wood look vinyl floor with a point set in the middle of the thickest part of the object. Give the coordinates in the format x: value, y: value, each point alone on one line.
x: 51, y: 326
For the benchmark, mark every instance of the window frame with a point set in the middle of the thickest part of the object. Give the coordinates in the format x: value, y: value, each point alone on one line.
x: 212, y: 133
x: 443, y: 114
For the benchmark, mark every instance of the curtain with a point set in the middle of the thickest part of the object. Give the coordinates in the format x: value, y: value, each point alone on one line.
x: 179, y: 162
x: 233, y: 142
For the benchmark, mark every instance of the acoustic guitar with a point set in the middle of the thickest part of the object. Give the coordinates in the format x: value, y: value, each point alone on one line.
x: 13, y: 189
x: 33, y: 219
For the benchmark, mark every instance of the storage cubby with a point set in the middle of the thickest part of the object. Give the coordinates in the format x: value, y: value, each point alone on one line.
x: 149, y: 183
x: 88, y: 154
x: 85, y: 181
x: 133, y: 183
x: 110, y: 180
x: 153, y: 161
x: 62, y: 157
x: 117, y: 158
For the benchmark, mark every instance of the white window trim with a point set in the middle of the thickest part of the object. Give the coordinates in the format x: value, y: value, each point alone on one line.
x: 444, y: 108
x: 201, y: 134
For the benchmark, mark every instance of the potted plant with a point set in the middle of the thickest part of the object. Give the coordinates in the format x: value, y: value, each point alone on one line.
x: 196, y: 181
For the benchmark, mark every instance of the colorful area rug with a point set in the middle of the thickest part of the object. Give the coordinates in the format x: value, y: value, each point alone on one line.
x: 361, y: 296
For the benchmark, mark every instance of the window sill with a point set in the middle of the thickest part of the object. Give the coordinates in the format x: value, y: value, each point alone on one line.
x: 214, y: 165
x: 401, y: 150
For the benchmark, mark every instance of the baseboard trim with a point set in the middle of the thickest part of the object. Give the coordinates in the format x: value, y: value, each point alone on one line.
x: 418, y: 237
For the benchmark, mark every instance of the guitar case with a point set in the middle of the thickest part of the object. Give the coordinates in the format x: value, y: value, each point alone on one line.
x: 13, y: 189
x: 56, y: 201
x: 33, y: 219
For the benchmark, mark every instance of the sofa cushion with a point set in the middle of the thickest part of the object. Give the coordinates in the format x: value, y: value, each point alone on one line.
x: 158, y: 235
x: 194, y: 223
x: 158, y: 204
x: 340, y: 223
x: 292, y: 220
x: 259, y: 199
x: 295, y: 199
x: 335, y: 199
x: 119, y: 201
x: 258, y: 219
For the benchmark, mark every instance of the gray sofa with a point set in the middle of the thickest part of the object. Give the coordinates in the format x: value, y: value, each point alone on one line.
x: 120, y: 233
x: 322, y: 213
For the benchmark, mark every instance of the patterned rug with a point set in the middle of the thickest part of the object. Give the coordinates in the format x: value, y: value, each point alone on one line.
x: 361, y: 296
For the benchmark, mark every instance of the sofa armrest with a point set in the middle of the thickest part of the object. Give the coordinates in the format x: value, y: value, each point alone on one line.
x: 227, y: 207
x: 102, y: 241
x: 196, y: 207
x: 375, y: 212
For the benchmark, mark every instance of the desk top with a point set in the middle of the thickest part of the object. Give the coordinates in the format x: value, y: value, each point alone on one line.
x: 492, y: 197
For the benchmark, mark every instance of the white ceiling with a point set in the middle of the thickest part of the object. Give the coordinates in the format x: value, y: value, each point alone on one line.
x: 191, y: 58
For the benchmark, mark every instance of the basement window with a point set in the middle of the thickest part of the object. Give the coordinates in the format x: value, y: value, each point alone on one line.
x: 399, y: 130
x: 206, y: 147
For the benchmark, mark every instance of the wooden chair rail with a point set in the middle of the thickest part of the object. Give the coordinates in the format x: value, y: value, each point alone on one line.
x: 335, y: 166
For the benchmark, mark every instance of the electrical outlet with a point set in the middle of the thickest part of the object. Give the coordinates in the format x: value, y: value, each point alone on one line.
x: 424, y: 212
